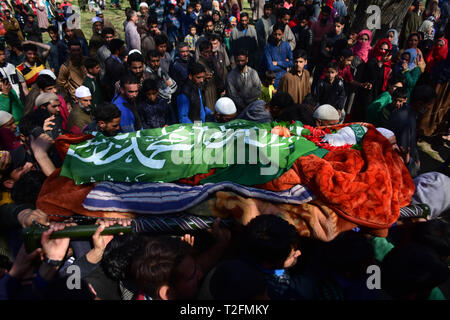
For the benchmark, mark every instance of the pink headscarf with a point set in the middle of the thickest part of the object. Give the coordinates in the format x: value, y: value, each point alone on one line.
x: 362, y: 48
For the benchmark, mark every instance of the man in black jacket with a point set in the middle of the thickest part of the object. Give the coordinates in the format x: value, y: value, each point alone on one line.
x: 114, y: 68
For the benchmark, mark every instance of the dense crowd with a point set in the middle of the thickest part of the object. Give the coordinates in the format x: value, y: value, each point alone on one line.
x: 210, y: 61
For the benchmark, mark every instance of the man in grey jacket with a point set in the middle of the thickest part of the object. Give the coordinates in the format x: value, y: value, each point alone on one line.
x: 288, y: 36
x: 244, y: 37
x: 243, y: 85
x: 132, y: 37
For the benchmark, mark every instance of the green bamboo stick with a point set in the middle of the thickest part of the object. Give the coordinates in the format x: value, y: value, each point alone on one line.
x: 32, y: 235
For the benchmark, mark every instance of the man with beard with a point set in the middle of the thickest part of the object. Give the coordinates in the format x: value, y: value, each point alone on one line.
x: 166, y: 85
x: 264, y: 24
x: 63, y: 45
x: 107, y: 120
x: 135, y: 63
x: 30, y: 68
x: 148, y: 40
x: 244, y: 37
x: 141, y: 24
x: 132, y: 37
x: 72, y: 73
x: 243, y: 85
x: 220, y: 62
x: 211, y: 81
x: 191, y: 103
x: 277, y: 53
x: 8, y: 71
x: 96, y: 40
x: 178, y: 70
x: 126, y: 102
x: 283, y: 17
x: 208, y: 29
x: 103, y: 52
x: 81, y: 114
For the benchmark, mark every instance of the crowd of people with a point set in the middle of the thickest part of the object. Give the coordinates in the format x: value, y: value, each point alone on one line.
x: 210, y: 61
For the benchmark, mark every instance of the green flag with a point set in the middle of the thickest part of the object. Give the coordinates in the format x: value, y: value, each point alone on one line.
x: 184, y: 150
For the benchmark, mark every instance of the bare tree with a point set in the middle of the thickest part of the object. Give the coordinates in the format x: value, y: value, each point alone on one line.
x: 393, y: 13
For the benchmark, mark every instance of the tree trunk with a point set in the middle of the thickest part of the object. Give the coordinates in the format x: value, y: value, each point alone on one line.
x: 393, y: 13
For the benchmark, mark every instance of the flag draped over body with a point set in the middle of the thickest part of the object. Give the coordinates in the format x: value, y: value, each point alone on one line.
x: 184, y: 150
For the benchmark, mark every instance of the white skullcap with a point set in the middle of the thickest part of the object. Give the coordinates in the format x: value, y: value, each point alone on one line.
x: 82, y: 92
x: 225, y: 106
x: 326, y: 112
x: 143, y: 4
x: 96, y: 19
x: 48, y: 72
x: 134, y: 51
x: 4, y: 117
x: 386, y: 132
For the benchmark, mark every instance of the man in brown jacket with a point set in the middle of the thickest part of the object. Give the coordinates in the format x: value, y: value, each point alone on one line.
x: 72, y: 72
x: 296, y: 82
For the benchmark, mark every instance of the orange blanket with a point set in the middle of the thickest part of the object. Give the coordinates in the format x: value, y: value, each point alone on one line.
x: 60, y: 196
x: 366, y: 187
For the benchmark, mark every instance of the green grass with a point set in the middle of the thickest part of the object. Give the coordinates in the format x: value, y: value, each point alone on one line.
x: 115, y: 16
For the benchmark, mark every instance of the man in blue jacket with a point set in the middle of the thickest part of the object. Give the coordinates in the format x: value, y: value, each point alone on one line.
x: 278, y: 53
x: 126, y: 102
x: 191, y: 101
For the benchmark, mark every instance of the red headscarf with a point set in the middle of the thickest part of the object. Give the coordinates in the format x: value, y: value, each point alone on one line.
x: 378, y: 54
x: 437, y: 54
x: 361, y: 48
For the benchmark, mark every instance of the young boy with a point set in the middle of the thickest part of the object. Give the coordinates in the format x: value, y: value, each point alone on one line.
x: 267, y: 88
x: 92, y: 81
x: 271, y: 246
x: 154, y: 111
x: 192, y: 38
x: 187, y: 19
x: 331, y: 90
x: 173, y: 24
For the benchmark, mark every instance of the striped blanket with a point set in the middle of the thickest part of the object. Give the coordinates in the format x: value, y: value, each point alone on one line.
x: 162, y: 198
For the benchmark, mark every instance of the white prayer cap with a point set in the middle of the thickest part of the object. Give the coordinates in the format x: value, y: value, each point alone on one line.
x: 386, y: 132
x: 143, y: 4
x: 225, y: 106
x: 326, y: 112
x: 4, y: 117
x: 96, y: 19
x: 82, y: 92
x: 134, y: 51
x: 48, y: 72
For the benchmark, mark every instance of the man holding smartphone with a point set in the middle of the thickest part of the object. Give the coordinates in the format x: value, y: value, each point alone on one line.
x: 8, y: 71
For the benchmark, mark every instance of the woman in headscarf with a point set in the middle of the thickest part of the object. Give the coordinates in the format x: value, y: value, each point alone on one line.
x: 438, y: 53
x: 376, y: 71
x: 235, y: 12
x: 407, y: 66
x: 392, y: 35
x: 362, y: 47
x: 413, y: 43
